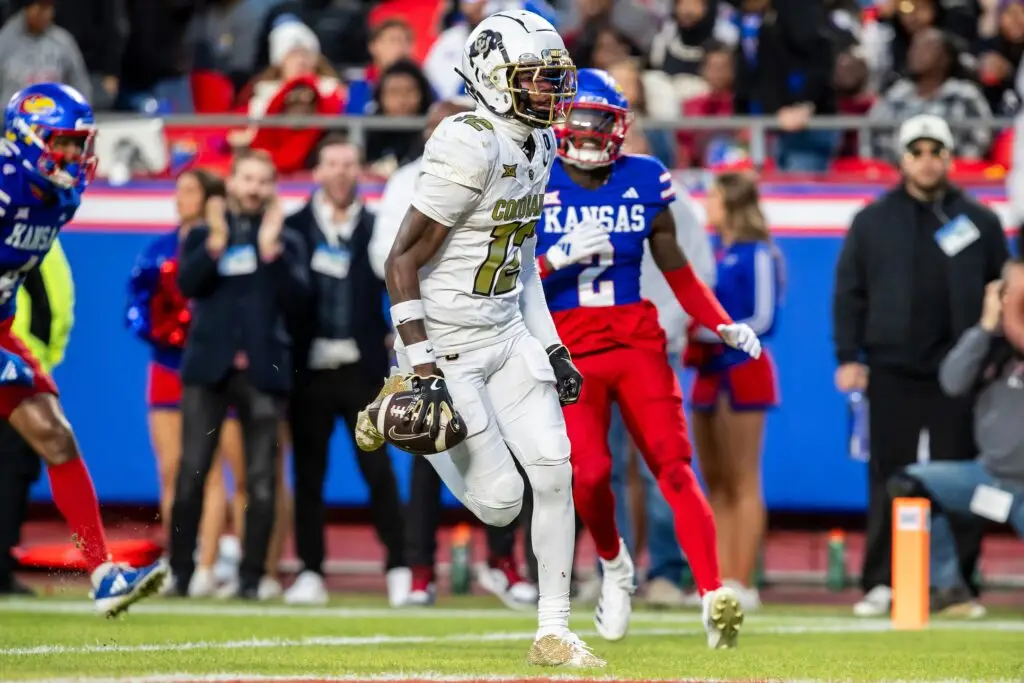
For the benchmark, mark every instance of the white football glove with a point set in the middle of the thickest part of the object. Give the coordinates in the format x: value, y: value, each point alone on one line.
x: 740, y: 336
x: 586, y: 240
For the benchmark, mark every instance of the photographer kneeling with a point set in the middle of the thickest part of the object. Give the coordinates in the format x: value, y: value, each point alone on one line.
x: 983, y: 364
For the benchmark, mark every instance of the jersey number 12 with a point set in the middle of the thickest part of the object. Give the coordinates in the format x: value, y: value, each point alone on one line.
x: 497, y: 274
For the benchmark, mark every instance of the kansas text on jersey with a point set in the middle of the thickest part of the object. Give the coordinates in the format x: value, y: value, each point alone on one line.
x: 638, y: 189
x: 29, y: 224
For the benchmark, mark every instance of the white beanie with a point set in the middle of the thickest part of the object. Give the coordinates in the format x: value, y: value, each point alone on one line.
x: 289, y: 36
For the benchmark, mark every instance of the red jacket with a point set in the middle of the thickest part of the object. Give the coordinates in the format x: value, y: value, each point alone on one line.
x: 291, y: 148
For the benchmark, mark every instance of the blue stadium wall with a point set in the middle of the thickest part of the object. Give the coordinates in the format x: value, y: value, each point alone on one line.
x: 103, y: 379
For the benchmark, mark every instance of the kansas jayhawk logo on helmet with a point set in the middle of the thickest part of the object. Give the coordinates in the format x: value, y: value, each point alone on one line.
x: 40, y: 105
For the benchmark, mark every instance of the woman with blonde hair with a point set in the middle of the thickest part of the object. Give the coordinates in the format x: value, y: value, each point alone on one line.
x: 158, y: 314
x: 732, y: 391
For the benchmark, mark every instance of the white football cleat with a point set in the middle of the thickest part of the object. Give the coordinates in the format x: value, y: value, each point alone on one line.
x: 203, y: 583
x: 723, y: 617
x: 504, y: 581
x: 614, y: 604
x: 399, y: 582
x: 269, y: 589
x: 308, y: 589
x: 877, y: 602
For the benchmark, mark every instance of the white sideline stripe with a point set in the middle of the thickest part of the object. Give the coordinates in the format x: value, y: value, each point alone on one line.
x: 187, y: 609
x: 249, y: 611
x: 429, y: 676
x: 363, y: 641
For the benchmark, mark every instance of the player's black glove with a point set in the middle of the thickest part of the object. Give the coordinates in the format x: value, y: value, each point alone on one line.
x: 568, y: 380
x: 433, y: 401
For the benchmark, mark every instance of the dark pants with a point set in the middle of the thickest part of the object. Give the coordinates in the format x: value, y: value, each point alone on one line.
x: 899, y: 408
x: 19, y: 468
x: 203, y: 409
x: 319, y: 399
x: 424, y: 517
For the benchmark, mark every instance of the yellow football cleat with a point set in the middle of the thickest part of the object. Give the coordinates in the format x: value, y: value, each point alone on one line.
x: 722, y: 618
x: 567, y: 650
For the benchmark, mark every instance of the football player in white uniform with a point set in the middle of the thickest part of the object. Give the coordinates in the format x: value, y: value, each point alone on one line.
x: 470, y: 310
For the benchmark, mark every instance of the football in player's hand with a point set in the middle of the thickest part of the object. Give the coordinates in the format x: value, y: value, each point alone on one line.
x: 388, y: 416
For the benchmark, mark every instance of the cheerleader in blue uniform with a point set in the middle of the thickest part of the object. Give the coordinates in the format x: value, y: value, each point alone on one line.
x: 732, y: 391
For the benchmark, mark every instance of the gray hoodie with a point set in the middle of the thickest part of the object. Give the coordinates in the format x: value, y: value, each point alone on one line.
x: 52, y: 56
x: 998, y: 427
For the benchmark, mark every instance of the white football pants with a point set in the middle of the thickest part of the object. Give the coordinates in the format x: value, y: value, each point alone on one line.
x: 506, y: 396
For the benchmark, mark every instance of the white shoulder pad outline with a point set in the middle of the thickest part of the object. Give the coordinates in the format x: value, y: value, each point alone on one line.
x: 463, y: 149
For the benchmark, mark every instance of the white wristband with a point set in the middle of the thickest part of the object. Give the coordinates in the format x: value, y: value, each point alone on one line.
x: 556, y: 258
x: 407, y: 311
x: 421, y: 353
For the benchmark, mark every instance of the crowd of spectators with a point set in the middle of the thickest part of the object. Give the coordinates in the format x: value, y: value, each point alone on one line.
x: 792, y: 59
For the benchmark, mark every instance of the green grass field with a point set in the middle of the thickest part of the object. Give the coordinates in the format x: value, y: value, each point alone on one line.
x: 357, y: 638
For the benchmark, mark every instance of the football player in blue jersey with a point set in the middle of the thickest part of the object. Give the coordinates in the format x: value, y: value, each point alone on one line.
x: 46, y: 162
x: 600, y: 211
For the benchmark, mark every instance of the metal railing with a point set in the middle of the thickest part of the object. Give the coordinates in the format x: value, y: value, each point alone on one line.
x: 759, y: 127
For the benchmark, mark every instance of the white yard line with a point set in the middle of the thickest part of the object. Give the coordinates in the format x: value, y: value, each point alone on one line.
x: 398, y: 678
x: 241, y: 610
x: 364, y: 641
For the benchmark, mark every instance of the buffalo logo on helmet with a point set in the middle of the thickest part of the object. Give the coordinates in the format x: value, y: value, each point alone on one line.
x: 39, y: 105
x: 484, y: 44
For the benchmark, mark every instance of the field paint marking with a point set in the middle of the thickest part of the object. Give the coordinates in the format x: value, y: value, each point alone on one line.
x: 413, y: 614
x: 250, y: 611
x: 336, y: 641
x: 363, y: 641
x: 417, y: 678
x: 396, y: 678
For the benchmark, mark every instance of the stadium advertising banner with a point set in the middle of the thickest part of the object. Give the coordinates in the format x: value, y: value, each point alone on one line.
x: 103, y: 378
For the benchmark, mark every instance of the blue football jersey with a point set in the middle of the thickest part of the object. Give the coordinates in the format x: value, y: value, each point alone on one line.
x: 29, y: 224
x: 638, y: 189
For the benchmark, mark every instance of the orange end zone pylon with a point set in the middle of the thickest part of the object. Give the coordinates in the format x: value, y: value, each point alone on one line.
x: 911, y: 536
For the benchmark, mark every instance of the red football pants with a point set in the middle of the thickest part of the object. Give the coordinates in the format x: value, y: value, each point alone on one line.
x: 651, y: 402
x: 12, y: 396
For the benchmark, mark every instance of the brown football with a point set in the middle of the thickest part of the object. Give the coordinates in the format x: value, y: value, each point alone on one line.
x: 388, y: 415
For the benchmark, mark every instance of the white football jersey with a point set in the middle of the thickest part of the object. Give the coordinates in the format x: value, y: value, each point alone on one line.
x: 477, y: 179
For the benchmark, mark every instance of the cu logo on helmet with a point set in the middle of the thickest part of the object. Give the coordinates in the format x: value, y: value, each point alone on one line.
x: 485, y: 42
x: 39, y: 105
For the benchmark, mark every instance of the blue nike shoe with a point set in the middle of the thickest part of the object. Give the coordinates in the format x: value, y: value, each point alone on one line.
x: 120, y: 587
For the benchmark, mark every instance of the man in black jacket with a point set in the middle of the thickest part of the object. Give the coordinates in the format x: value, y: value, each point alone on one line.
x: 784, y: 67
x: 910, y: 280
x: 341, y: 359
x: 248, y: 278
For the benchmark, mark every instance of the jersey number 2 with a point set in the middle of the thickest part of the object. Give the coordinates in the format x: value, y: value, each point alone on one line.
x: 591, y: 292
x: 497, y: 274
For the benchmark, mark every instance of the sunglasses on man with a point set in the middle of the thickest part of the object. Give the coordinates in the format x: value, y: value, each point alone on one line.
x: 919, y: 150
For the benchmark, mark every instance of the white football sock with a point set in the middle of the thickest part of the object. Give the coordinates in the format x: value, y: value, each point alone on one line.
x: 554, y: 540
